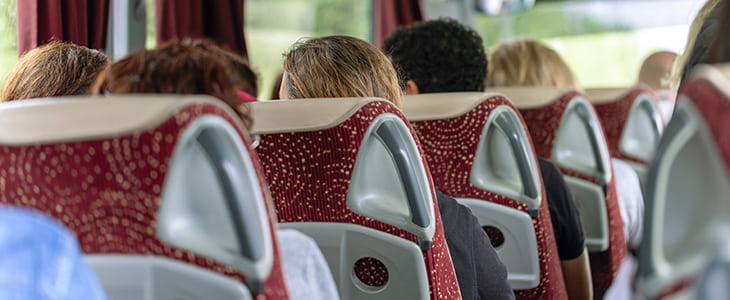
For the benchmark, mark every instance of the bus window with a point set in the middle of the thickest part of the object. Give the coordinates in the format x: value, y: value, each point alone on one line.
x: 272, y: 26
x: 604, y: 42
x: 8, y: 37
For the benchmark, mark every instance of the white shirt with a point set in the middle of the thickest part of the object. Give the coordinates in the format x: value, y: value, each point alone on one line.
x: 631, y: 205
x: 631, y: 201
x: 306, y: 271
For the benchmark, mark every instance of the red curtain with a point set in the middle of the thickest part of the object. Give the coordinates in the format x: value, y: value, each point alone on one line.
x: 83, y: 22
x: 389, y: 14
x: 219, y: 20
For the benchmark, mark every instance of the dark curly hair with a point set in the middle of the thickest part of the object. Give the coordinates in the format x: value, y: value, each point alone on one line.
x: 439, y: 55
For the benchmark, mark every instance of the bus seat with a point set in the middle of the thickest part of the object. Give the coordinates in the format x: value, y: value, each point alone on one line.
x: 712, y: 282
x: 564, y: 128
x: 631, y: 123
x: 479, y: 152
x: 147, y: 277
x: 347, y: 171
x: 165, y: 186
x: 687, y: 212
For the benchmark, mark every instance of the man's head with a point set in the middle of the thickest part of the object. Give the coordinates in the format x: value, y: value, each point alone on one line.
x: 656, y: 69
x: 438, y: 56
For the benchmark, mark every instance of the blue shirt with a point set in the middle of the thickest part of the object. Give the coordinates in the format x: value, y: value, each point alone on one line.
x: 40, y: 259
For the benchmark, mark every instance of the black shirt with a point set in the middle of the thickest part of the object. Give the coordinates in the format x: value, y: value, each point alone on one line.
x: 480, y: 273
x: 563, y: 212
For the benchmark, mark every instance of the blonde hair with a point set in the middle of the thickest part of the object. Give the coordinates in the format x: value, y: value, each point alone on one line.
x: 527, y: 62
x: 694, y: 30
x: 54, y: 69
x: 340, y: 66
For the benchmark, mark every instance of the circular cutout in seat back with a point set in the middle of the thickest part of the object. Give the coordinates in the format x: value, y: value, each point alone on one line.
x: 495, y: 235
x: 371, y: 272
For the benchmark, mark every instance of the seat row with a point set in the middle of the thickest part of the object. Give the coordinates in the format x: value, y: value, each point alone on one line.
x: 169, y: 199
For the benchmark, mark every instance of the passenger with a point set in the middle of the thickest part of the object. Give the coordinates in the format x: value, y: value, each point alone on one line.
x: 656, y: 69
x: 695, y: 51
x: 341, y: 66
x: 178, y: 68
x: 654, y: 73
x: 247, y: 85
x: 188, y: 68
x: 450, y: 58
x: 538, y: 65
x: 40, y: 259
x: 55, y: 69
x: 527, y: 62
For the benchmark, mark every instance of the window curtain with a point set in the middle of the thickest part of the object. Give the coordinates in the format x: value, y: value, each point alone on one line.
x: 219, y: 20
x: 83, y: 22
x: 390, y: 14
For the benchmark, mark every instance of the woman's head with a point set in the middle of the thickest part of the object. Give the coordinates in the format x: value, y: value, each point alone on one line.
x: 527, y: 62
x: 55, y: 69
x: 248, y: 80
x: 338, y: 66
x: 177, y: 68
x: 698, y: 39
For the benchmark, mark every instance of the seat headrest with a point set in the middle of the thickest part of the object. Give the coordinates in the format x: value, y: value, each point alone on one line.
x: 269, y: 117
x: 530, y: 97
x: 606, y: 95
x: 598, y: 96
x: 424, y: 107
x: 78, y: 118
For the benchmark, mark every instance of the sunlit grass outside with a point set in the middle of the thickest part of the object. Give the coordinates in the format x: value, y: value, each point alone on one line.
x: 8, y: 42
x: 613, y: 59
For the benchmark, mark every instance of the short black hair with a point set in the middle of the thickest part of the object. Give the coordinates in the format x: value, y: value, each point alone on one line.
x: 439, y: 55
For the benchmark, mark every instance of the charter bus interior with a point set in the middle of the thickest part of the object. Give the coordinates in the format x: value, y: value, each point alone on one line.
x: 164, y: 196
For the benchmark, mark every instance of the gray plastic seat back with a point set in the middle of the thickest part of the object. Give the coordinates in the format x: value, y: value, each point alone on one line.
x: 643, y: 129
x: 344, y: 245
x: 581, y: 146
x: 389, y: 181
x: 641, y: 135
x: 212, y: 202
x: 505, y: 162
x: 687, y: 213
x: 142, y: 277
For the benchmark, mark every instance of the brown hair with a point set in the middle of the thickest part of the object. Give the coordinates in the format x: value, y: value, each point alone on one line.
x: 719, y: 47
x: 688, y: 59
x: 54, y: 69
x: 177, y: 68
x: 340, y: 66
x: 527, y: 62
x: 248, y: 80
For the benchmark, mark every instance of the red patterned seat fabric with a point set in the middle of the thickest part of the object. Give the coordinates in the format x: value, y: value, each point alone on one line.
x: 310, y: 172
x: 613, y: 116
x: 714, y: 106
x: 543, y: 123
x: 107, y: 190
x: 450, y: 146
